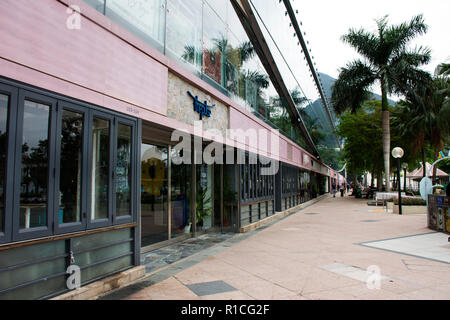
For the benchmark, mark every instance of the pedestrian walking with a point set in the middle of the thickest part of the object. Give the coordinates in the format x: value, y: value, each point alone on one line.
x: 333, y: 190
x: 342, y: 190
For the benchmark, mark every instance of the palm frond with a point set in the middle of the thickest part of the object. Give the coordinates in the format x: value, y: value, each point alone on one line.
x: 443, y: 69
x: 364, y: 42
x: 351, y: 88
x: 398, y: 36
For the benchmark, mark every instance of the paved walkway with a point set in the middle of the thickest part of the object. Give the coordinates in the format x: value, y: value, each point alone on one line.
x: 321, y: 252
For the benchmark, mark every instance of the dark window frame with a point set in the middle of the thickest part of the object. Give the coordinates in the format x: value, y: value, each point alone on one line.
x: 12, y: 93
x: 256, y: 187
x: 39, y: 232
x: 17, y: 94
x: 101, y: 223
x: 73, y: 226
x: 133, y: 205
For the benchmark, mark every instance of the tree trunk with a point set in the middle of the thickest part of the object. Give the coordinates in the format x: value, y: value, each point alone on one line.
x: 386, y: 132
x: 386, y: 148
x: 380, y: 180
x: 436, y: 156
x: 424, y: 164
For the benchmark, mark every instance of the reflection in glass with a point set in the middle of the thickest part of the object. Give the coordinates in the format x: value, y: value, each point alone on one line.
x: 154, y: 195
x: 4, y: 102
x: 181, y: 191
x: 100, y: 168
x: 204, y: 196
x: 99, y: 5
x: 184, y: 31
x: 123, y: 171
x: 215, y: 45
x: 144, y: 18
x: 70, y: 172
x: 34, y: 174
x: 221, y: 8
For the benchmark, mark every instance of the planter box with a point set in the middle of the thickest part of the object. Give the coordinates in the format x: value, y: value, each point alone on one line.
x: 390, y: 206
x: 410, y: 209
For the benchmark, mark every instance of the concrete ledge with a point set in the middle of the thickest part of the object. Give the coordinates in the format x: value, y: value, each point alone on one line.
x: 411, y: 209
x: 95, y: 289
x: 279, y: 215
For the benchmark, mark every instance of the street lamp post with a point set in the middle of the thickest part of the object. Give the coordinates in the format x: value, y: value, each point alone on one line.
x: 405, y: 166
x: 398, y: 153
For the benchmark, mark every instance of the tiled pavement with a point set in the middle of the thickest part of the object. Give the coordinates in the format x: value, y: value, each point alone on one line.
x: 168, y: 255
x: 321, y: 252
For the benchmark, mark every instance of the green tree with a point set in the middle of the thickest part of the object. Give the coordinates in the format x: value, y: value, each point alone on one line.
x: 362, y: 134
x: 443, y: 70
x: 388, y: 62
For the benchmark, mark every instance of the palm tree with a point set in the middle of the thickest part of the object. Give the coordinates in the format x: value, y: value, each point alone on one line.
x: 425, y: 116
x: 411, y: 127
x: 443, y: 69
x: 387, y: 62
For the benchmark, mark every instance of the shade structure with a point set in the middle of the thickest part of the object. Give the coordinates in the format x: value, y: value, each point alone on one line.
x: 418, y: 173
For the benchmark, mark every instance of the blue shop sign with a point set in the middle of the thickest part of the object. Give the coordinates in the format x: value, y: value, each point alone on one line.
x: 201, y: 107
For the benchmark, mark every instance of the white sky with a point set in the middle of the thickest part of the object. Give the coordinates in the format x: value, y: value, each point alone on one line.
x: 326, y: 21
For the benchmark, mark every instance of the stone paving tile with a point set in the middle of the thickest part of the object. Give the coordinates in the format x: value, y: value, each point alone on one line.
x: 236, y: 295
x: 266, y: 291
x: 283, y: 260
x: 210, y: 288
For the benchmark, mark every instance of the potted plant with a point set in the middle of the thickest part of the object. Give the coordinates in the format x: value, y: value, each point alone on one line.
x: 410, y: 206
x: 203, y: 205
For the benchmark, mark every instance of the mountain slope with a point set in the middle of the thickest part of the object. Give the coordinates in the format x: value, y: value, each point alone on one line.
x: 317, y: 111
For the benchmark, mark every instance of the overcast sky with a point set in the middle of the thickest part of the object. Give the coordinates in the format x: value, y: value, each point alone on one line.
x: 325, y: 21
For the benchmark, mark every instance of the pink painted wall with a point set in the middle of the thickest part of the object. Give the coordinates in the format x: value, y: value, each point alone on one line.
x: 104, y: 64
x: 34, y: 34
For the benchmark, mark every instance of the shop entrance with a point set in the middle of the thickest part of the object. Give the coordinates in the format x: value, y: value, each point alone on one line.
x: 182, y: 200
x: 216, y: 198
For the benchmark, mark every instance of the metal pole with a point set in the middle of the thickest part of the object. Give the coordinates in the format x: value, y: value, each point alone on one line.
x: 399, y: 188
x: 169, y: 192
x: 404, y: 170
x: 221, y: 197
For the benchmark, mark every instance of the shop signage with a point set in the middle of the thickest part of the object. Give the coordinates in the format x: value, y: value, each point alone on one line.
x: 201, y: 107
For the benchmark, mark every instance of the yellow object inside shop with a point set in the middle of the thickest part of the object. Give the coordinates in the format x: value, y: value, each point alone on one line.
x: 153, y: 175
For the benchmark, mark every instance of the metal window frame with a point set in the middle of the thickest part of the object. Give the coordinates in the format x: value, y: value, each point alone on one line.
x: 99, y: 223
x: 22, y: 234
x: 17, y: 93
x: 133, y: 206
x: 81, y: 225
x: 12, y: 93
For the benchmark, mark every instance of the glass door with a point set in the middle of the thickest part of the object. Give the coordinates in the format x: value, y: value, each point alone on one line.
x: 181, y: 218
x: 154, y: 195
x: 205, y: 197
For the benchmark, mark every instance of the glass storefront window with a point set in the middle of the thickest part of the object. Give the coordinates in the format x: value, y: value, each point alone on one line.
x: 204, y: 196
x: 70, y: 167
x: 98, y: 5
x: 4, y: 103
x: 154, y: 195
x: 34, y: 173
x: 184, y: 31
x: 123, y: 171
x: 144, y: 18
x: 215, y: 46
x: 181, y: 221
x: 221, y: 8
x: 100, y: 168
x: 207, y: 37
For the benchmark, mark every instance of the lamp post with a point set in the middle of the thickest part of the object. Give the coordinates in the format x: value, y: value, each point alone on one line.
x: 398, y: 153
x: 405, y: 166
